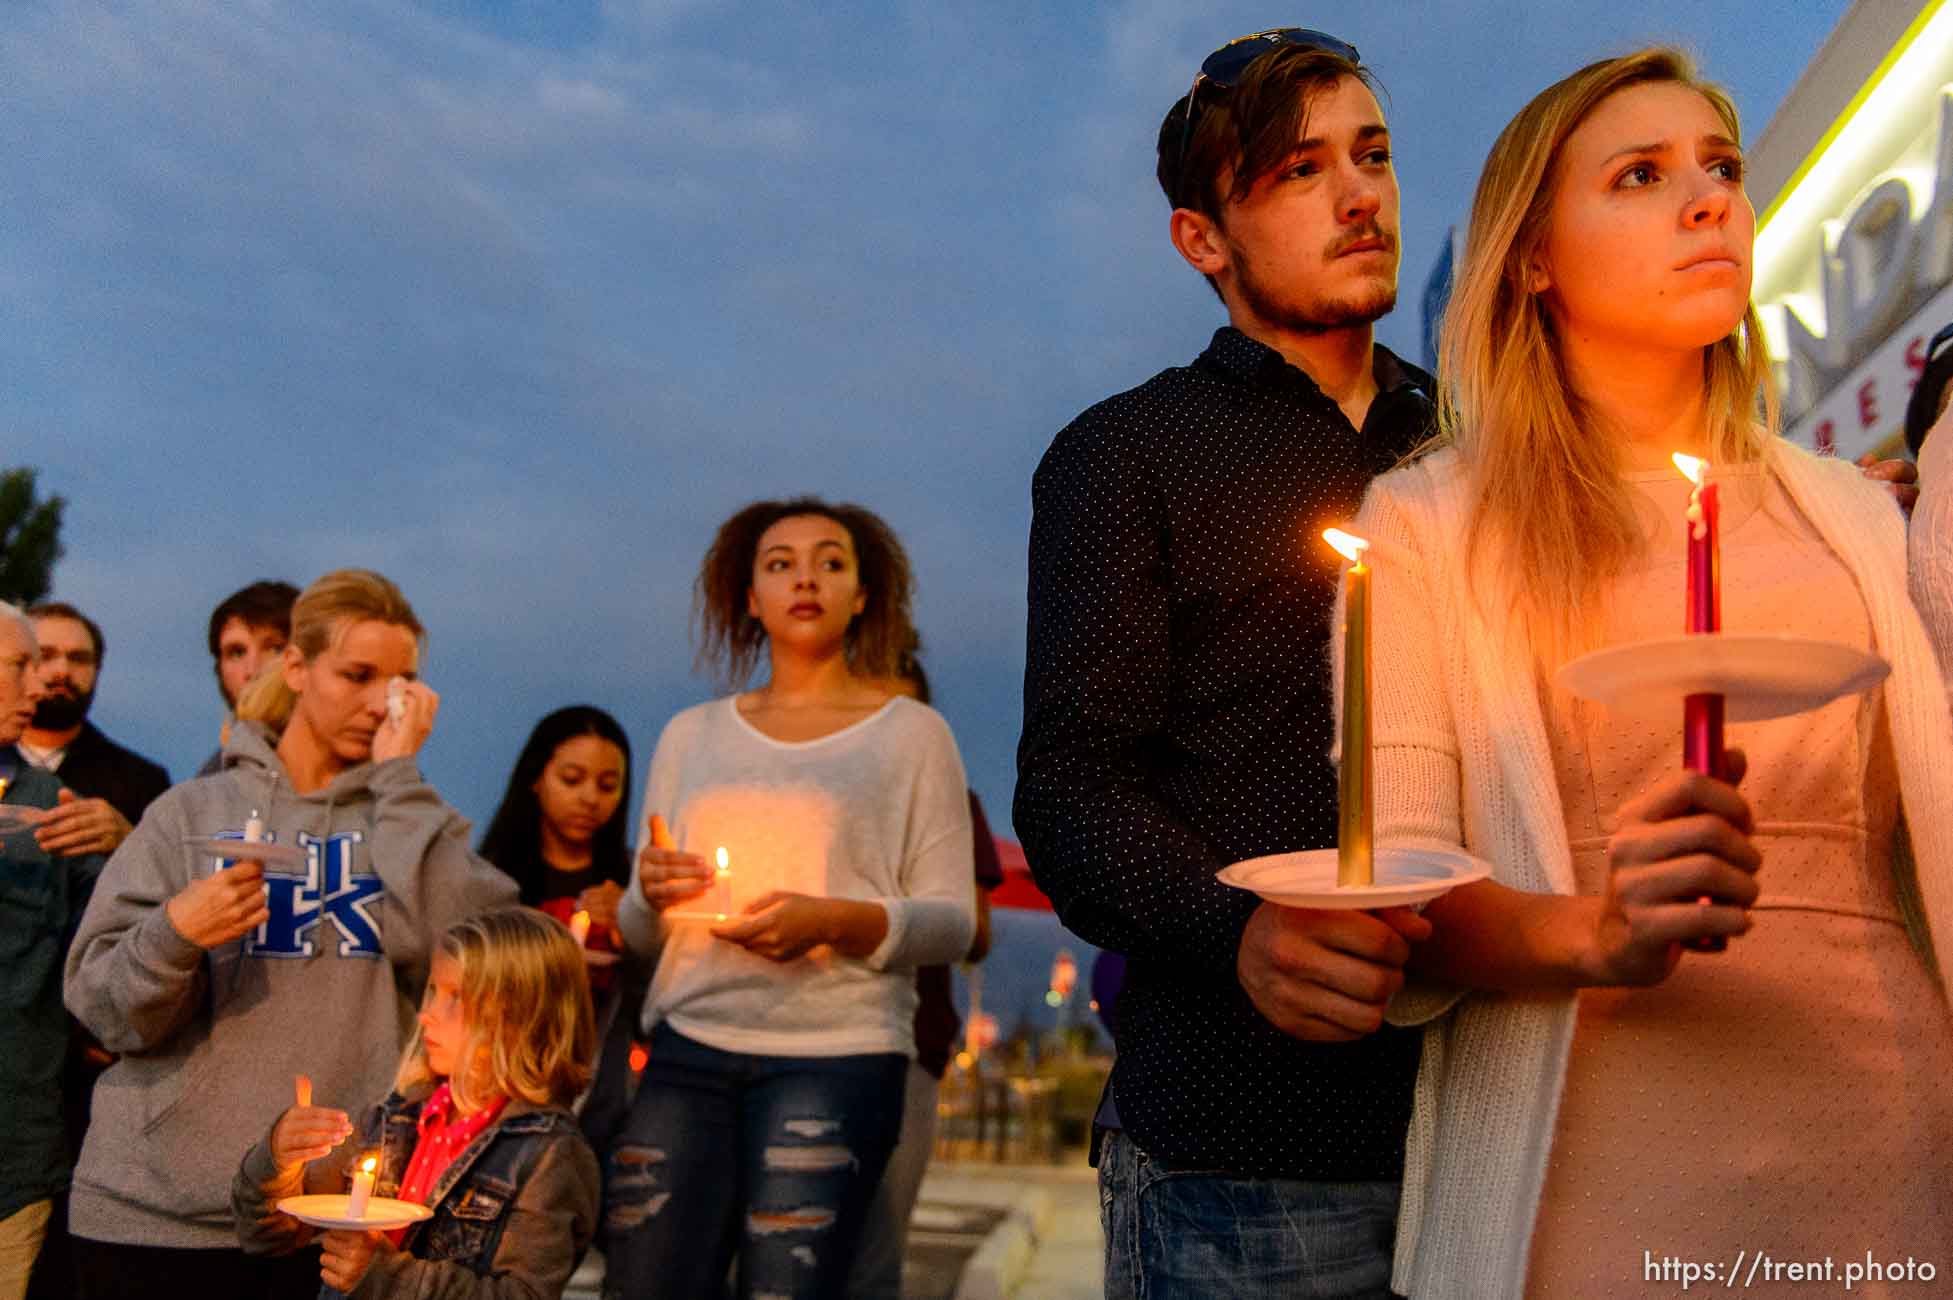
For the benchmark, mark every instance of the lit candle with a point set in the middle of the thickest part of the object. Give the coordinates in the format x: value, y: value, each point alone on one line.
x: 580, y: 928
x: 362, y: 1188
x: 722, y: 882
x: 1356, y: 807
x: 253, y: 828
x: 1702, y: 614
x: 1702, y: 714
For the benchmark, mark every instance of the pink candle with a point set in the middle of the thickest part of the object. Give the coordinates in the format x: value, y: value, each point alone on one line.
x: 1702, y: 748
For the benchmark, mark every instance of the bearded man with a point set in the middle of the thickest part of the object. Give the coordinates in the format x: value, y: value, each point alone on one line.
x: 1177, y: 703
x: 110, y: 785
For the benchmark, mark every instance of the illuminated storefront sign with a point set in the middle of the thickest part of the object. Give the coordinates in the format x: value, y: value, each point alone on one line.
x: 1866, y: 409
x: 1854, y: 267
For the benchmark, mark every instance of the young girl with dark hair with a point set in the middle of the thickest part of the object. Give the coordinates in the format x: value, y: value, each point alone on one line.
x: 781, y: 1011
x: 559, y: 830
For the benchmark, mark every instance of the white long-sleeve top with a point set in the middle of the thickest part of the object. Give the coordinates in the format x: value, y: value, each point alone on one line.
x: 877, y: 811
x: 1462, y: 758
x: 1929, y: 542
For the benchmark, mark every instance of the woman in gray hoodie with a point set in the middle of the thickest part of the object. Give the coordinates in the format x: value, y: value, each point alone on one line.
x: 219, y: 977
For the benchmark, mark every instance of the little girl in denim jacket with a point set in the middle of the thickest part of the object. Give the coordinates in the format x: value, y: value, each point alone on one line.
x: 477, y: 1128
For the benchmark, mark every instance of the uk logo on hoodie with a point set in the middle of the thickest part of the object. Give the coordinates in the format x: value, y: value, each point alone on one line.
x: 329, y: 889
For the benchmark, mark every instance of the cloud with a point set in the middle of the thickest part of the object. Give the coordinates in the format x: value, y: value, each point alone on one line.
x: 517, y: 300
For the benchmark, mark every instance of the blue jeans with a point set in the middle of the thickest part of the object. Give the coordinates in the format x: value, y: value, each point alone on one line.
x: 1198, y: 1235
x: 770, y: 1159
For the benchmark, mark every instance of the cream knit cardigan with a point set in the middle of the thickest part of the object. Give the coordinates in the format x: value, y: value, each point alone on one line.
x: 1462, y: 759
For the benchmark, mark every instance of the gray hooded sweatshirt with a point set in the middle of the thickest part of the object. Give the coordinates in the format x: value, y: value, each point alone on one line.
x: 328, y: 987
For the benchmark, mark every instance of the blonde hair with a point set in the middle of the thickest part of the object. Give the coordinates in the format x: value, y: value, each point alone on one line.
x: 1549, y: 500
x: 525, y: 998
x: 320, y: 617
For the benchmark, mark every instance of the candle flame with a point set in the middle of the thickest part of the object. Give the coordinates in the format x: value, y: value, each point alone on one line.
x: 723, y: 859
x: 1349, y: 545
x: 1691, y: 467
x: 582, y: 919
x: 369, y: 1164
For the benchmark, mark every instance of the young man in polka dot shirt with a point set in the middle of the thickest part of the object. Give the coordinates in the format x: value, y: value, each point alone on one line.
x: 1177, y: 703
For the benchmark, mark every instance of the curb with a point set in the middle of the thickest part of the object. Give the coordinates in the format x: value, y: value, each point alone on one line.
x: 997, y: 1266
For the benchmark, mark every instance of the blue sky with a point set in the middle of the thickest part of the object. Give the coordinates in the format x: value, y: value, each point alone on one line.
x: 516, y: 301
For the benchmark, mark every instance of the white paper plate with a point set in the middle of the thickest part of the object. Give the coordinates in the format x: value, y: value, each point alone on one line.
x: 1403, y: 877
x: 272, y: 855
x: 17, y: 817
x: 1758, y: 676
x: 328, y: 1210
x: 598, y: 957
x: 715, y: 918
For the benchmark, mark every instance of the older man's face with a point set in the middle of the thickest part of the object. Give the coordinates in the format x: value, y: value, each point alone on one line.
x: 20, y: 680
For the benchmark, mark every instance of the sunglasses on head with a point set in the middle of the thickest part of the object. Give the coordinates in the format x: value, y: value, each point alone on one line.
x: 1223, y: 68
x: 1939, y: 341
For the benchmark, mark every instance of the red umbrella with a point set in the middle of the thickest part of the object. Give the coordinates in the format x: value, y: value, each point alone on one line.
x: 1018, y: 890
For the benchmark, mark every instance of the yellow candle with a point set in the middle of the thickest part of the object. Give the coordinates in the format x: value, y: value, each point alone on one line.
x: 1356, y: 807
x: 362, y: 1188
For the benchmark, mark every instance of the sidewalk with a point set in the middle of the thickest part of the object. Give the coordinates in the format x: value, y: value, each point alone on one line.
x: 1047, y: 1245
x: 986, y: 1231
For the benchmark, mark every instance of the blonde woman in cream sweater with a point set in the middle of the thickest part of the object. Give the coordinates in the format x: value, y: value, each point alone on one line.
x: 1595, y: 1097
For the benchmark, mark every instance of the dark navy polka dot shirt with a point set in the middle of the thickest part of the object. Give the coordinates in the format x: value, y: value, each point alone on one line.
x: 1177, y: 717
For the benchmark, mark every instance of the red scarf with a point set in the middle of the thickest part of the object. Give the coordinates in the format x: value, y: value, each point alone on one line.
x: 443, y: 1136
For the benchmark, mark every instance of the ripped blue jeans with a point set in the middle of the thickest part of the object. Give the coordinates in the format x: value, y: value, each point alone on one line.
x: 771, y: 1160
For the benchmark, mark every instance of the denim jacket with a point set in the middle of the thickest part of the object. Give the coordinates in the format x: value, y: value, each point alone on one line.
x: 513, y: 1213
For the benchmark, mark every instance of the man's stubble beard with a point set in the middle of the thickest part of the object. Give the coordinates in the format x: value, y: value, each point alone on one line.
x: 1313, y: 315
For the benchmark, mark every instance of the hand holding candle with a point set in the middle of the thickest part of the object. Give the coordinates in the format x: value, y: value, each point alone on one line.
x: 1356, y: 809
x: 600, y: 901
x: 305, y: 1132
x: 344, y: 1258
x: 667, y: 875
x: 213, y: 910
